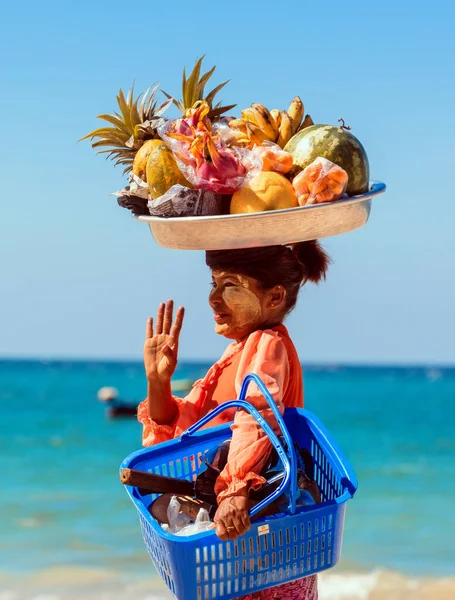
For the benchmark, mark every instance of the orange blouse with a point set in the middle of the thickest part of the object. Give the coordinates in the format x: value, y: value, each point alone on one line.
x: 270, y: 354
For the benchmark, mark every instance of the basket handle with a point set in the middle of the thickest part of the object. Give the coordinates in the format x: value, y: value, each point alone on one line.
x: 289, y: 462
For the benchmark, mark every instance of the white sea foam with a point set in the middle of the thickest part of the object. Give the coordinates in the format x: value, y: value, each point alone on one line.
x: 346, y: 586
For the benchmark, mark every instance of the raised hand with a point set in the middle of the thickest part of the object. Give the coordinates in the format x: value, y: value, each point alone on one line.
x: 161, y: 344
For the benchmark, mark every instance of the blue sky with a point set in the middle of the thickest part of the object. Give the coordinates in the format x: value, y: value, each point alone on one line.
x: 78, y: 276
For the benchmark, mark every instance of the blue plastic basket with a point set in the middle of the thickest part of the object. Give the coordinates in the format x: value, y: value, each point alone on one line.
x: 276, y: 549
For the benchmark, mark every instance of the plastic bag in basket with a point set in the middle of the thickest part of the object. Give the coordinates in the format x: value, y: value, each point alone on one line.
x: 204, y: 155
x: 322, y: 181
x: 181, y: 524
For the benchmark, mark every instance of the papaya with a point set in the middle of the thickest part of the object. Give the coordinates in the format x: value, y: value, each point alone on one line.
x: 335, y: 144
x: 140, y: 160
x: 320, y: 182
x: 162, y: 171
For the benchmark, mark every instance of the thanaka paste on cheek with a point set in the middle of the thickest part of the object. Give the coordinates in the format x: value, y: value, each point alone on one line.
x: 244, y: 307
x: 243, y: 304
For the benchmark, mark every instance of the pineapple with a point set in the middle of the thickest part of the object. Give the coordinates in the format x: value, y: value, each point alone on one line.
x: 136, y: 123
x: 193, y: 91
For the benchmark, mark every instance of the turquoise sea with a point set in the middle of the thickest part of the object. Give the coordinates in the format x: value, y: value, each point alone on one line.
x: 62, y: 505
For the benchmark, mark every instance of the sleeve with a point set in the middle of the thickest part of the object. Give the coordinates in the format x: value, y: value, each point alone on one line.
x: 153, y: 433
x: 264, y: 354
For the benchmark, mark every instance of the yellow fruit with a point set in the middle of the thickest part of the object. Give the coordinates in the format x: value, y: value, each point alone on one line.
x: 162, y: 170
x: 140, y: 160
x: 266, y: 191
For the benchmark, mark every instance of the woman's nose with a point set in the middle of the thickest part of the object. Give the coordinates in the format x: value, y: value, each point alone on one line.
x: 214, y: 297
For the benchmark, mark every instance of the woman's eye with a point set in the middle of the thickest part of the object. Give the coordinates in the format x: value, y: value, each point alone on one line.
x: 229, y: 284
x: 212, y: 284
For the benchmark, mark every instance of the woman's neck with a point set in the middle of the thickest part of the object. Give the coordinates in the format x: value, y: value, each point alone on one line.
x: 266, y: 325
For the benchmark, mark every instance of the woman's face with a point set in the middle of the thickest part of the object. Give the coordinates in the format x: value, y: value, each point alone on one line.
x: 240, y: 306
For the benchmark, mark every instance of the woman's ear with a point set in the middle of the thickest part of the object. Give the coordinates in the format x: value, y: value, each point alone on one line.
x: 277, y: 297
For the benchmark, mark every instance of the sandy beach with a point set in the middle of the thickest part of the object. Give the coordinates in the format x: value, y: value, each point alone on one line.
x: 70, y: 583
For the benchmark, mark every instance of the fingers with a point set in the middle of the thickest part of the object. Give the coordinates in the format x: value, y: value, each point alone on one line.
x: 164, y: 320
x: 149, y: 329
x: 168, y: 349
x: 230, y: 531
x: 177, y: 325
x: 222, y: 532
x: 167, y: 322
x: 233, y: 527
x: 159, y: 319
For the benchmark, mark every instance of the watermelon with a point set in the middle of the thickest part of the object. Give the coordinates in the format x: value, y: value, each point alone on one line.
x: 335, y: 144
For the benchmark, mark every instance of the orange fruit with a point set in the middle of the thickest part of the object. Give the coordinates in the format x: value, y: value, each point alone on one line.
x: 266, y: 191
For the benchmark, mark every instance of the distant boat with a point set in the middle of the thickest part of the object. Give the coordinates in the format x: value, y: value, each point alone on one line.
x: 117, y: 408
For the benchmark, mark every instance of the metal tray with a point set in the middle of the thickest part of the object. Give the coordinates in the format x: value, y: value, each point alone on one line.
x: 287, y: 226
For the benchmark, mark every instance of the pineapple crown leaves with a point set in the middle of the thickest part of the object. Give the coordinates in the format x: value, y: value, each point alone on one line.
x: 137, y: 120
x: 193, y: 90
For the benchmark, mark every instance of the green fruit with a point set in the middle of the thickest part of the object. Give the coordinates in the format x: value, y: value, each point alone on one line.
x: 162, y: 170
x: 337, y: 145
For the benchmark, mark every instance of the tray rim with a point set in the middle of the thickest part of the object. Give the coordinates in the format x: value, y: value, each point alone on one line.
x: 377, y: 188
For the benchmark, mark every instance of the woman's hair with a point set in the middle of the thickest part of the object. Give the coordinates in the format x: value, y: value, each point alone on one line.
x: 290, y: 267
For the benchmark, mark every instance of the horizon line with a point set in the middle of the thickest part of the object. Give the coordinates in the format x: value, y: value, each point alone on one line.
x: 323, y: 363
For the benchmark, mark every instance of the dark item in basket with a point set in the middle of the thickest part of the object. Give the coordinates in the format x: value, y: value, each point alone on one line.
x: 136, y: 204
x: 213, y: 462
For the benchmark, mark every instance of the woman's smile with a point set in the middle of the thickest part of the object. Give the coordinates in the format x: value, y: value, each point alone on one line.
x: 220, y: 317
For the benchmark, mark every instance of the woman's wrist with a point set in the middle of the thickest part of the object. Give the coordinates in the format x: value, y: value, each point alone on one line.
x: 162, y: 407
x: 157, y: 382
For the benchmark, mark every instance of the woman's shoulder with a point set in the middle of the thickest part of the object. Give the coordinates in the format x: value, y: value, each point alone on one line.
x: 272, y: 339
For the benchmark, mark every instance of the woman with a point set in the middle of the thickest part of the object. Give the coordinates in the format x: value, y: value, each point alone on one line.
x: 253, y: 290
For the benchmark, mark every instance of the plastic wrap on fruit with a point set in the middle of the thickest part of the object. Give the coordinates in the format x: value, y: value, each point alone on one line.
x: 206, y: 159
x: 273, y: 158
x: 322, y: 181
x: 180, y: 201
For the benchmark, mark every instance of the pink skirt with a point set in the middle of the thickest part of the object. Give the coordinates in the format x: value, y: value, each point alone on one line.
x: 302, y: 589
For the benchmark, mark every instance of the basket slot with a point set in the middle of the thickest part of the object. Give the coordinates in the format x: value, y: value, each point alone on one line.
x: 243, y: 547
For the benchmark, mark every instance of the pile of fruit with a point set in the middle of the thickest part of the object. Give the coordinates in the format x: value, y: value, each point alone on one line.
x: 264, y: 160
